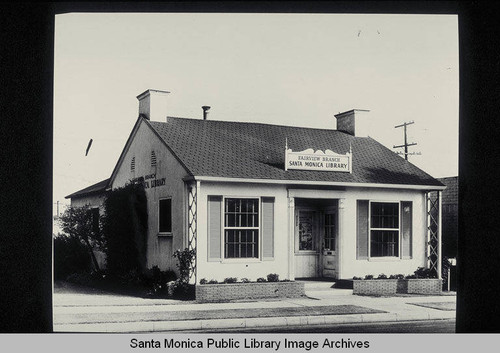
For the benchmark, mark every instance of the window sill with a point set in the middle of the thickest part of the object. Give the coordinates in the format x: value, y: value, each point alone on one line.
x: 241, y: 261
x: 165, y: 234
x: 384, y: 259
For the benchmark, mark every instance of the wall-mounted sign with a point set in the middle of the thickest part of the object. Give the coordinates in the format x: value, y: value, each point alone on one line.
x: 327, y: 161
x: 149, y: 181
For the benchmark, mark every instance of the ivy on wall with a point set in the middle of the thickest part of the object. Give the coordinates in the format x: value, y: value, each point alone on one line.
x: 124, y: 227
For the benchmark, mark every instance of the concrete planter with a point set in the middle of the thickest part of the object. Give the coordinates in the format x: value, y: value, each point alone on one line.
x: 424, y: 286
x: 375, y: 286
x: 211, y: 293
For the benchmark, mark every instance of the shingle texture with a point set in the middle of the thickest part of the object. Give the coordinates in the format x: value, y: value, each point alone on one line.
x: 96, y: 188
x: 257, y: 151
x: 450, y: 194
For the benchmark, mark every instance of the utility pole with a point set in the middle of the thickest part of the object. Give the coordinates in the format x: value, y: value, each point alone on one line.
x: 406, y: 144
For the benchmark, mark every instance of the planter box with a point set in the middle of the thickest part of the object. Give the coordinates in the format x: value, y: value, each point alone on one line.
x: 375, y: 286
x: 424, y: 286
x: 211, y: 293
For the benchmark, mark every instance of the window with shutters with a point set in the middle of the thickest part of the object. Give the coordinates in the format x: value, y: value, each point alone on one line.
x: 241, y: 228
x: 384, y: 230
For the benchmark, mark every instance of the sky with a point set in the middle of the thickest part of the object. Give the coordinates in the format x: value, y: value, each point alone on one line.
x: 285, y: 69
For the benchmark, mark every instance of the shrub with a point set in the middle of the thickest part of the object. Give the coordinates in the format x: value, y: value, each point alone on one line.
x: 124, y: 227
x: 357, y: 278
x: 230, y: 280
x: 261, y: 279
x: 398, y: 276
x: 70, y: 256
x: 272, y: 277
x: 382, y: 276
x: 245, y: 280
x: 423, y: 272
x: 203, y: 281
x: 369, y: 277
x: 185, y: 260
x: 213, y: 281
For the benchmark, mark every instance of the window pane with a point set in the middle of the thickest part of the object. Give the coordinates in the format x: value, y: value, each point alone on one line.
x: 384, y: 243
x: 384, y: 215
x: 165, y: 216
x: 241, y: 243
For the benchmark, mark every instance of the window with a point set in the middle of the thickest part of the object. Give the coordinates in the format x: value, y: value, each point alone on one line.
x: 132, y: 164
x: 241, y: 228
x: 165, y: 215
x: 384, y: 229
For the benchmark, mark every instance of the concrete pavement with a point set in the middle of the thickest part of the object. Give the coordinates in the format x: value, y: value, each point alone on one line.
x: 76, y: 311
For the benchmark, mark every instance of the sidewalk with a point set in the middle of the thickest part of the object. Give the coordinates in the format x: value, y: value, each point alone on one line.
x: 77, y: 310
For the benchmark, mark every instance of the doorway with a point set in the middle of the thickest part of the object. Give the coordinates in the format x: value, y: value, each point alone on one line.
x: 316, y: 238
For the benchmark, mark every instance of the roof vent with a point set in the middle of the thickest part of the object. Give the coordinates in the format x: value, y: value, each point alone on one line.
x: 205, y: 108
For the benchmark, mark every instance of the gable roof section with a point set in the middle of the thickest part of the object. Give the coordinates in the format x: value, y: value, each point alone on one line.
x: 131, y: 137
x: 226, y: 149
x: 93, y: 189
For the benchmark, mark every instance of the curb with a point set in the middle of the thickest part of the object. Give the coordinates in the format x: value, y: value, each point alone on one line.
x: 155, y: 326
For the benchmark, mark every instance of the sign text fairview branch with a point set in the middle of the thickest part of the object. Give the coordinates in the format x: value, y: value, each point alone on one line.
x: 323, y: 161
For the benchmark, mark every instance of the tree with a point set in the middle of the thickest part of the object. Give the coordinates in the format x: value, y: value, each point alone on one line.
x: 82, y: 223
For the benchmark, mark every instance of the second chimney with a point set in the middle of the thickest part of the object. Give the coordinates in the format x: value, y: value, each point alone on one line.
x: 353, y: 122
x: 153, y: 104
x: 205, y: 108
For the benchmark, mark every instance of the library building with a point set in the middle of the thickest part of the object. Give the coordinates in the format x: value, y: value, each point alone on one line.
x: 256, y: 198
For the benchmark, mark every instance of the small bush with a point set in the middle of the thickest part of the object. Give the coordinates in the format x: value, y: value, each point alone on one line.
x: 285, y: 280
x: 272, y: 277
x: 357, y: 278
x: 203, y: 281
x: 423, y: 272
x: 230, y: 280
x: 369, y: 277
x: 261, y: 279
x: 213, y: 281
x: 382, y: 276
x: 398, y: 276
x: 245, y: 280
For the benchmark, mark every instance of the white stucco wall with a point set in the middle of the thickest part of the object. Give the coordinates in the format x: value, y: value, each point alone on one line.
x: 240, y: 268
x: 283, y: 262
x: 348, y: 265
x: 159, y: 247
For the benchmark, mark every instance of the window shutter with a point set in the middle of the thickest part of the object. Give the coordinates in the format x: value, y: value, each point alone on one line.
x: 362, y: 230
x: 406, y: 229
x: 268, y: 227
x: 214, y: 227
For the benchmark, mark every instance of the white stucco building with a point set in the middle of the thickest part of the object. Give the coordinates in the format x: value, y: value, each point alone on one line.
x: 254, y: 199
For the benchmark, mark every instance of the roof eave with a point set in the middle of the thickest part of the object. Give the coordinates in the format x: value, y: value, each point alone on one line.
x: 315, y: 182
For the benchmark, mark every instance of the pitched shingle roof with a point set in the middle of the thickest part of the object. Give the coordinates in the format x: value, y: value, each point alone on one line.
x: 257, y: 151
x: 95, y: 188
x: 450, y: 194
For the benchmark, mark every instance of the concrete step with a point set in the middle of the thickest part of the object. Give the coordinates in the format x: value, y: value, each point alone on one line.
x: 318, y: 285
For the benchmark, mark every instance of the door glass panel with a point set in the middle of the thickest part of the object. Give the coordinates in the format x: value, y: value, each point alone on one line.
x: 330, y: 232
x: 306, y: 230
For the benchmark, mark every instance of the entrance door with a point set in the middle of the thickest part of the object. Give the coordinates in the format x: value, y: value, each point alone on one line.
x: 306, y: 242
x: 329, y: 243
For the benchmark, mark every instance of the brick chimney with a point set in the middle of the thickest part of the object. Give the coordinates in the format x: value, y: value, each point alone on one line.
x: 354, y: 122
x: 153, y: 104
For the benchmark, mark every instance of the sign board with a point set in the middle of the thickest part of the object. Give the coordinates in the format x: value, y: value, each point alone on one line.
x: 327, y: 161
